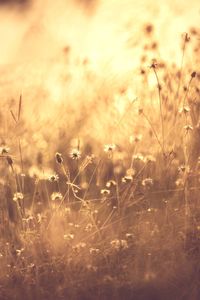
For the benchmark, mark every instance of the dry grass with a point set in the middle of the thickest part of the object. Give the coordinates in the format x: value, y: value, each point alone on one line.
x: 106, y: 205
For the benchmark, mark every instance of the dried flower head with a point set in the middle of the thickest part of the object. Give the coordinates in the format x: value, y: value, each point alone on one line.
x: 127, y: 179
x: 80, y: 246
x: 130, y: 172
x: 149, y: 29
x: 183, y: 168
x: 111, y: 183
x: 129, y: 235
x: 105, y: 192
x: 154, y: 64
x: 149, y: 158
x: 138, y: 156
x: 18, y: 197
x: 109, y: 147
x: 147, y: 182
x: 68, y: 236
x: 184, y: 109
x: 193, y: 75
x: 53, y: 178
x: 59, y: 158
x: 94, y: 251
x: 4, y: 150
x: 135, y: 138
x: 119, y: 244
x: 88, y: 227
x: 55, y: 196
x: 140, y: 111
x: 19, y: 251
x: 188, y: 127
x: 179, y: 182
x: 75, y: 154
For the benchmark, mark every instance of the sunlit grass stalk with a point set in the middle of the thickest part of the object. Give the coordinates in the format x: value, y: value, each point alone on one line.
x: 160, y: 107
x: 154, y: 131
x: 91, y: 178
x: 186, y: 39
x: 34, y: 195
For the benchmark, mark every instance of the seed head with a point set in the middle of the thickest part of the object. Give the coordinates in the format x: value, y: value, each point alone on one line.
x: 127, y: 179
x: 193, y: 74
x: 75, y: 154
x: 135, y: 139
x: 59, y: 158
x: 68, y: 236
x: 18, y: 196
x: 188, y: 127
x: 119, y: 244
x: 184, y: 109
x: 53, y: 178
x: 56, y: 196
x: 4, y: 150
x: 111, y: 183
x: 147, y: 182
x: 109, y: 147
x: 105, y: 192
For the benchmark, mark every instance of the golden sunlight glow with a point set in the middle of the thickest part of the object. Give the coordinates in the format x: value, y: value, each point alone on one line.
x: 99, y: 149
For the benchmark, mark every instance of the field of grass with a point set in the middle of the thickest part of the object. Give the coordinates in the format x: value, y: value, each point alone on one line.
x: 102, y: 200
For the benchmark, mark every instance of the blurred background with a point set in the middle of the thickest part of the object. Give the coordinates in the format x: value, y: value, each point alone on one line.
x: 77, y: 63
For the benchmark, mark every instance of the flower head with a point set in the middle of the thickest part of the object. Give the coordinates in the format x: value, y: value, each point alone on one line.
x: 130, y: 172
x: 149, y: 158
x: 127, y: 178
x: 94, y: 251
x: 53, y: 177
x: 119, y: 244
x: 59, y: 158
x: 56, y: 196
x: 184, y: 109
x: 111, y: 183
x: 147, y: 182
x: 4, y: 150
x: 18, y: 196
x: 75, y: 154
x: 135, y: 138
x: 105, y: 192
x: 188, y: 127
x: 68, y: 236
x: 109, y: 147
x: 138, y: 156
